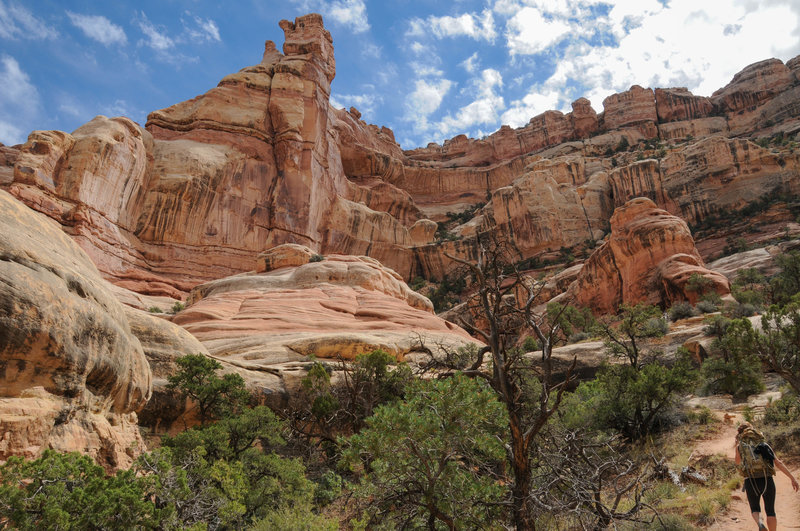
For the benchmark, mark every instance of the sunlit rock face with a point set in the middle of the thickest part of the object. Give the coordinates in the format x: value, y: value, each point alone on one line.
x: 648, y: 258
x: 263, y: 159
x: 72, y: 374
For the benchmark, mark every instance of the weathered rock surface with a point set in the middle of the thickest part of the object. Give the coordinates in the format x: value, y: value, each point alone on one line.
x: 262, y: 159
x: 633, y: 106
x: 648, y: 258
x: 73, y: 373
x: 336, y: 308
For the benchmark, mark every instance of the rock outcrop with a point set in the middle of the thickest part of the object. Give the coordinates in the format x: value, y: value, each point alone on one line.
x: 649, y: 257
x: 73, y: 373
x: 339, y: 307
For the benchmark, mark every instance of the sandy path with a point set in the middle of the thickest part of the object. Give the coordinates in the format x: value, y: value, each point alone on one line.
x: 787, y: 502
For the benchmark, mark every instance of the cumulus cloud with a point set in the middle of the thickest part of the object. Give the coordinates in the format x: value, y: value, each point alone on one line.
x: 472, y: 25
x: 19, y: 101
x: 349, y: 13
x: 98, y: 28
x: 470, y: 64
x: 532, y: 104
x: 425, y: 99
x: 528, y: 32
x: 645, y: 42
x: 16, y: 22
x: 483, y: 110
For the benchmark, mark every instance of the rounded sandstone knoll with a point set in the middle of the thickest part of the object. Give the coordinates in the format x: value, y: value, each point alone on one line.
x: 339, y: 307
x: 649, y: 258
x: 73, y: 374
x: 286, y: 255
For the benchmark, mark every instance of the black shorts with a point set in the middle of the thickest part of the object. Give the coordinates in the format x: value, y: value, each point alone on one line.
x: 755, y: 489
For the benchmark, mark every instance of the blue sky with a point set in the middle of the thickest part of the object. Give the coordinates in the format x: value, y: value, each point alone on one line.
x: 428, y: 70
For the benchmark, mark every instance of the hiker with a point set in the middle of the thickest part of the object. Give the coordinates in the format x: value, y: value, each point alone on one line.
x: 757, y: 463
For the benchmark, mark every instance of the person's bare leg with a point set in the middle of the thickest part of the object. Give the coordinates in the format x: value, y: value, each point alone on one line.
x: 772, y: 523
x: 757, y: 519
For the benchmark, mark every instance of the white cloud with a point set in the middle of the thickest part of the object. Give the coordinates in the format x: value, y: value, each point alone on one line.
x: 366, y: 103
x: 371, y: 50
x: 352, y: 13
x: 532, y: 104
x: 204, y: 30
x: 349, y: 13
x: 156, y: 39
x: 426, y: 69
x: 118, y: 108
x: 425, y: 100
x: 528, y: 32
x: 19, y: 101
x: 418, y: 48
x: 682, y: 43
x: 484, y: 110
x: 16, y: 22
x: 472, y: 25
x: 470, y: 64
x: 98, y: 28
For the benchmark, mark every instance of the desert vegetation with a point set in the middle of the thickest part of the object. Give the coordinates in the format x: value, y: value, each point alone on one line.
x: 478, y: 439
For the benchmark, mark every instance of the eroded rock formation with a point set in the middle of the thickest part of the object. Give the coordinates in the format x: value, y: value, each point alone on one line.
x: 649, y: 257
x: 262, y: 159
x: 73, y: 373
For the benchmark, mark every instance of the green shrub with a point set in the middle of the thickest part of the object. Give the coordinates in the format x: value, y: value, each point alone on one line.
x: 784, y: 410
x: 707, y: 306
x: 633, y: 401
x: 656, y: 327
x: 329, y: 487
x: 70, y: 491
x: 578, y: 336
x: 716, y: 325
x: 701, y: 415
x: 681, y: 310
x: 154, y: 309
x: 734, y: 369
x: 739, y: 311
x: 178, y: 307
x: 530, y: 344
x: 417, y: 283
x: 446, y: 436
x: 316, y: 258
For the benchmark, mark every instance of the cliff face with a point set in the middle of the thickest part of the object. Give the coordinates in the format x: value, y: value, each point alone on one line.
x: 648, y: 258
x: 262, y: 159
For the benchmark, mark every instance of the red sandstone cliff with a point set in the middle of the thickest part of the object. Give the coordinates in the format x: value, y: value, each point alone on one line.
x: 262, y: 159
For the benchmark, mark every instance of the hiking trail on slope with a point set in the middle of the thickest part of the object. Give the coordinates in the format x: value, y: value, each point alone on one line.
x: 737, y: 517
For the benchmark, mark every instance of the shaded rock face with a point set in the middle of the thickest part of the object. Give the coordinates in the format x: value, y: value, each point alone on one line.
x: 648, y: 258
x: 73, y: 372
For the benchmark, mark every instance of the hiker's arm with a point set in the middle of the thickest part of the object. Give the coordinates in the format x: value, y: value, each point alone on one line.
x: 780, y: 466
x: 737, y: 458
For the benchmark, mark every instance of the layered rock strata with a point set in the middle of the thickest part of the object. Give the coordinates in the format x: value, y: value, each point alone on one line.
x: 262, y: 159
x: 294, y: 308
x: 648, y: 258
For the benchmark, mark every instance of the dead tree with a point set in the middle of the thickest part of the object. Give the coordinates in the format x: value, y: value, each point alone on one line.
x: 503, y: 303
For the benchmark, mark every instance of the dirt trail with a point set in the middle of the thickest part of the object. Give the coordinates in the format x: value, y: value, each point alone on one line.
x: 787, y: 502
